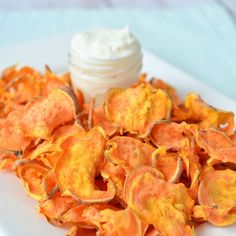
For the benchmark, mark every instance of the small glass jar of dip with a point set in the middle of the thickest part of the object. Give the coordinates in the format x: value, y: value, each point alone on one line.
x: 104, y: 58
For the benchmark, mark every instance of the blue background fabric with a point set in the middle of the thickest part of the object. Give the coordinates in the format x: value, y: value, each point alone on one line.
x: 200, y: 39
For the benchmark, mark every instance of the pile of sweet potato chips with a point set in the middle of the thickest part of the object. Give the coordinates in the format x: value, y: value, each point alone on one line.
x: 144, y: 163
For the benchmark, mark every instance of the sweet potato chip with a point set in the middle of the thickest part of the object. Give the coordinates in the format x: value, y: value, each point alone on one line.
x: 92, y: 212
x: 7, y: 160
x: 124, y: 154
x: 43, y: 115
x: 217, y: 197
x: 32, y: 175
x: 11, y: 136
x: 21, y: 84
x: 99, y: 119
x: 208, y: 116
x: 169, y: 134
x: 116, y: 174
x: 157, y: 202
x: 55, y: 207
x: 12, y: 73
x: 74, y: 216
x: 123, y: 222
x: 168, y: 163
x: 115, y: 222
x: 160, y: 84
x: 24, y: 88
x: 50, y: 82
x: 80, y: 163
x: 137, y: 109
x: 129, y: 152
x: 217, y: 144
x: 50, y: 150
x: 49, y: 184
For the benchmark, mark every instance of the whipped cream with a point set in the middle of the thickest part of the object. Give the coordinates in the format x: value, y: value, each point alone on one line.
x: 104, y: 58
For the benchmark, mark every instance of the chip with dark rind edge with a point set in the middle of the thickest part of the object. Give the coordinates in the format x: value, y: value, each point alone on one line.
x: 115, y: 173
x: 54, y: 207
x: 157, y: 202
x: 11, y: 136
x: 123, y: 154
x: 217, y: 144
x: 43, y: 115
x: 195, y: 109
x: 217, y: 197
x: 80, y: 163
x: 168, y: 163
x: 49, y: 183
x: 31, y: 174
x: 137, y: 109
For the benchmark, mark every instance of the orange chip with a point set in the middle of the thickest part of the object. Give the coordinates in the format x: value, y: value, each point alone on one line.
x: 32, y: 175
x: 116, y: 174
x: 22, y: 84
x: 157, y: 202
x: 218, y: 145
x: 170, y: 134
x: 160, y: 84
x: 123, y: 222
x: 124, y: 154
x: 7, y: 160
x: 129, y: 152
x: 12, y: 73
x: 169, y: 164
x: 217, y: 197
x: 74, y: 216
x: 79, y: 165
x: 208, y: 116
x: 49, y: 184
x: 50, y: 82
x: 115, y: 222
x: 11, y: 136
x: 137, y: 109
x: 92, y: 213
x: 43, y: 115
x: 54, y: 207
x: 50, y: 150
x: 99, y: 119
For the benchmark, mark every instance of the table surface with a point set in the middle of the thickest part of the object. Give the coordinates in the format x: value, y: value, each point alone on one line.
x: 199, y: 38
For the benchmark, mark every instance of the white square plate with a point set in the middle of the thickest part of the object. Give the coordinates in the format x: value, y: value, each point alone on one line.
x: 18, y: 215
